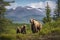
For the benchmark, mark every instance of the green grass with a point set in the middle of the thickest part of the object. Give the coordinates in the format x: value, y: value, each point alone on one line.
x: 49, y: 29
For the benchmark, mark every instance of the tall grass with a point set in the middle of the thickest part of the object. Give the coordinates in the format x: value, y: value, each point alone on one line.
x: 47, y: 32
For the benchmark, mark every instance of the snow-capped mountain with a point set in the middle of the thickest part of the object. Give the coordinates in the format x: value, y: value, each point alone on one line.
x: 24, y: 14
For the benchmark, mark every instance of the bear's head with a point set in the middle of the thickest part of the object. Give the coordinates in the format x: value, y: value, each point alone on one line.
x: 32, y: 21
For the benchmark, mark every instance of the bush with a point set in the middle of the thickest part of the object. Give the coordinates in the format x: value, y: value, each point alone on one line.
x: 7, y: 37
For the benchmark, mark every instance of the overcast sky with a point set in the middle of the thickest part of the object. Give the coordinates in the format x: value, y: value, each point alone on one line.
x: 32, y: 3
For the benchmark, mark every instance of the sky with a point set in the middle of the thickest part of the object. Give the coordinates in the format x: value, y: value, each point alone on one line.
x: 32, y: 3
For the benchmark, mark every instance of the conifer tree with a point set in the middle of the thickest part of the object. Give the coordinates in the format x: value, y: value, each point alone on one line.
x: 3, y: 20
x: 57, y: 11
x: 47, y: 18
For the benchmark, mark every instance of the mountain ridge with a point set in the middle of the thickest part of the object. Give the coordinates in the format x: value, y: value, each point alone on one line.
x: 23, y: 14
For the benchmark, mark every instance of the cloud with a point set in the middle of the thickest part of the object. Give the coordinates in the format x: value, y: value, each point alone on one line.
x: 41, y: 4
x: 37, y: 5
x: 12, y: 5
x: 52, y: 4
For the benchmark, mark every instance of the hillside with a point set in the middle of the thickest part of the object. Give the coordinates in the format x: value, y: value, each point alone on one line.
x: 24, y: 14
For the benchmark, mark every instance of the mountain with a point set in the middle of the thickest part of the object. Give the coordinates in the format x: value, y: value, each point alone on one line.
x: 24, y: 14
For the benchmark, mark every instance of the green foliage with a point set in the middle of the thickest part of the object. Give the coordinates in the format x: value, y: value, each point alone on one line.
x: 47, y: 18
x: 49, y: 29
x: 3, y: 21
x: 7, y: 37
x: 3, y: 24
x: 2, y: 7
x: 57, y: 11
x: 58, y: 7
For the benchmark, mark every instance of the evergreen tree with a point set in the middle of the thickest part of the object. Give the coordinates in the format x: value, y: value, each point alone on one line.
x: 57, y: 11
x: 3, y: 20
x: 47, y: 18
x: 58, y: 5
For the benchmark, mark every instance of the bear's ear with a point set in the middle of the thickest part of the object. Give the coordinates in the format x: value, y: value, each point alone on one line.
x: 31, y: 20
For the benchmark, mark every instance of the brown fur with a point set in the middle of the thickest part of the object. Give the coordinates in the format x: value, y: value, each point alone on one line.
x: 23, y: 29
x: 35, y: 25
x: 18, y: 30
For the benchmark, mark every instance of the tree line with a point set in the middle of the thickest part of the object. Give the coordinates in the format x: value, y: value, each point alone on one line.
x: 56, y: 15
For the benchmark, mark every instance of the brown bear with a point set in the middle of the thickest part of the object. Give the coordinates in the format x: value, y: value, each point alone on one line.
x: 23, y: 29
x: 35, y: 25
x: 18, y: 30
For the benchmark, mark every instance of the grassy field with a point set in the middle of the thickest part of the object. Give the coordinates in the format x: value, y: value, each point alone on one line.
x: 50, y: 31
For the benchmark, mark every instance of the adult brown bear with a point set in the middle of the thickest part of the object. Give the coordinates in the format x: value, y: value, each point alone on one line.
x: 35, y: 25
